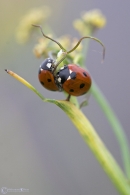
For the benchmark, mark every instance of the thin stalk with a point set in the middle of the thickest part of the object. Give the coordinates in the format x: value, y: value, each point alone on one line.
x: 27, y: 84
x: 111, y: 117
x: 116, y: 126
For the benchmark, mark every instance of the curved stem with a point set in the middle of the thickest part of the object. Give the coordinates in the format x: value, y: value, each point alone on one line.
x: 49, y: 37
x: 89, y: 38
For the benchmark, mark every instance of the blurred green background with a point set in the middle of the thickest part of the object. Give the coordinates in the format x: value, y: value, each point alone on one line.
x: 40, y: 149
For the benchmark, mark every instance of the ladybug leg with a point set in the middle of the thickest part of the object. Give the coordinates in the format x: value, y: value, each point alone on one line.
x: 68, y: 98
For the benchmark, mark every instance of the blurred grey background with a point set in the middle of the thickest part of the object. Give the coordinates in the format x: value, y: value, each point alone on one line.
x: 40, y: 149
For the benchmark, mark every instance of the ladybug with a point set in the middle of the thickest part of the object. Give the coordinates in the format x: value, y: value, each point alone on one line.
x: 73, y: 79
x: 45, y: 75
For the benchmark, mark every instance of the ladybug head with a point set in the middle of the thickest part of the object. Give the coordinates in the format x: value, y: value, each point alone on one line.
x: 47, y: 64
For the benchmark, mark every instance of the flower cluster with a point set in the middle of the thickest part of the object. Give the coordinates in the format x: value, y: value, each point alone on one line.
x: 44, y: 46
x: 86, y: 25
x: 89, y: 22
x: 34, y: 16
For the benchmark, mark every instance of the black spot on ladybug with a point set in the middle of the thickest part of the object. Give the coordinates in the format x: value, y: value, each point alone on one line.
x: 84, y: 73
x: 82, y: 85
x: 42, y: 83
x: 73, y: 75
x: 71, y: 90
x: 49, y: 80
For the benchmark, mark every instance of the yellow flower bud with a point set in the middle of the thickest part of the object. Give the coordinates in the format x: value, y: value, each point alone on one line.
x: 42, y: 48
x: 89, y: 22
x: 79, y: 25
x: 94, y: 18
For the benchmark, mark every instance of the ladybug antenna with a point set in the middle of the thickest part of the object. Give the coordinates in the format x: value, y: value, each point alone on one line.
x: 49, y: 37
x: 89, y: 38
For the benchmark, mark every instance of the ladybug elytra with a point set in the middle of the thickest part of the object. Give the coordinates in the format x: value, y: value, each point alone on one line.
x: 74, y: 80
x: 45, y: 75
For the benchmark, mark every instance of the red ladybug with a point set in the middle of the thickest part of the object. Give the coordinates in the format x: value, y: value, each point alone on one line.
x: 74, y: 80
x: 45, y: 75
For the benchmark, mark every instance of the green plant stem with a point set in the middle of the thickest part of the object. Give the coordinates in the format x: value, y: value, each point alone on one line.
x: 111, y: 117
x: 90, y: 136
x: 115, y: 124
